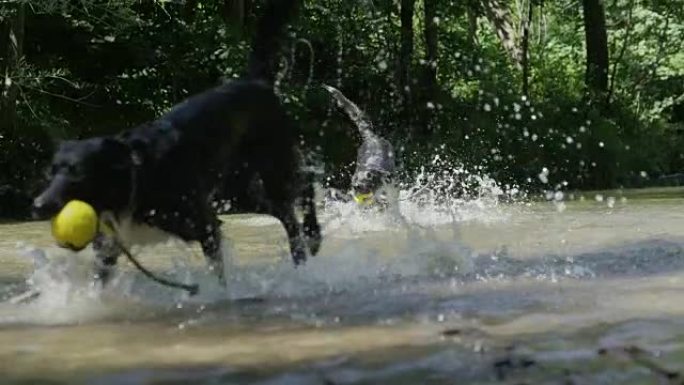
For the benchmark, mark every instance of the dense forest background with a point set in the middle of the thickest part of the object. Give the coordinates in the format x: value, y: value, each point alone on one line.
x: 589, y: 93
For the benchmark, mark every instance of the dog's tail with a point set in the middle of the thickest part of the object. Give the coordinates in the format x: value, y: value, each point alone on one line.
x: 270, y: 28
x: 356, y: 114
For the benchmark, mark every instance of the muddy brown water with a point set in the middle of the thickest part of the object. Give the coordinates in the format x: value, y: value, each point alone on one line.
x: 588, y: 292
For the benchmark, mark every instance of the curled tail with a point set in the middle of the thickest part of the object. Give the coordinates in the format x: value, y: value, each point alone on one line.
x: 357, y: 115
x: 270, y: 29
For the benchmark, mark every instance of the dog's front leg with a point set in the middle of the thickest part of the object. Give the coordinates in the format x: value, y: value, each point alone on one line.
x: 207, y: 229
x: 212, y: 248
x: 107, y: 253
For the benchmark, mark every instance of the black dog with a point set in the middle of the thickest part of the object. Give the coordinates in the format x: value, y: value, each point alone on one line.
x: 375, y: 158
x: 165, y: 174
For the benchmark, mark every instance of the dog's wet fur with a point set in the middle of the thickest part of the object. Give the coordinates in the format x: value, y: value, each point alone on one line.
x: 234, y: 142
x: 375, y: 158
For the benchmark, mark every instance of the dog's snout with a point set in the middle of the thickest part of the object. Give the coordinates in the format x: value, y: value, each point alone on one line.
x: 43, y: 209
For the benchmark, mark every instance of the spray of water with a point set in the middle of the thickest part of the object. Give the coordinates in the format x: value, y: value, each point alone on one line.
x: 415, y: 239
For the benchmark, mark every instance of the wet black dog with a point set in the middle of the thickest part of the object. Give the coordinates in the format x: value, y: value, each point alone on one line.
x: 375, y: 158
x: 164, y: 175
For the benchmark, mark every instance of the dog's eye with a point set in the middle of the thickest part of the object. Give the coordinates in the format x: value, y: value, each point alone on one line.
x: 53, y: 169
x: 72, y: 168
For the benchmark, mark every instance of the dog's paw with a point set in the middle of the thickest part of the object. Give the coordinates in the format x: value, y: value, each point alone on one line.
x: 217, y: 268
x: 314, y: 243
x: 299, y: 255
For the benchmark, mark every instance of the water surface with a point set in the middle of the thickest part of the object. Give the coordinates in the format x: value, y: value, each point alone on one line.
x: 579, y: 292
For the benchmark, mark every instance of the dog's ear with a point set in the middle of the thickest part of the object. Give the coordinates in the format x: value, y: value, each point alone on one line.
x: 131, y: 151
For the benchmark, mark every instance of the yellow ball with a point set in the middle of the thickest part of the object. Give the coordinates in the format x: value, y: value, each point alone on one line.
x: 364, y: 199
x: 75, y: 226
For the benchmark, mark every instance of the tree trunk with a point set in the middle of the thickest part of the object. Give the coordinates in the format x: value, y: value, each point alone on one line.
x: 431, y: 48
x: 189, y: 10
x: 526, y: 50
x: 405, y: 55
x: 596, y: 78
x: 472, y: 26
x: 429, y: 86
x: 13, y: 36
x: 499, y: 15
x: 234, y: 12
x: 629, y: 27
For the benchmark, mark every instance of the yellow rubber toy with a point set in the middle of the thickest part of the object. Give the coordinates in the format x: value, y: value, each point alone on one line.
x: 364, y: 199
x: 75, y: 226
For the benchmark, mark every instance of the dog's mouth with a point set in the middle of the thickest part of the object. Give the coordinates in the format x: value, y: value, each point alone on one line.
x: 364, y: 198
x: 45, y: 209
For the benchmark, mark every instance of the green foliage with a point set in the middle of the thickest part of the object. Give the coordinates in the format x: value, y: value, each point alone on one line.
x: 101, y: 66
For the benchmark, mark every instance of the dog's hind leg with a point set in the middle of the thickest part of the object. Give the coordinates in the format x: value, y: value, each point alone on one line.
x: 278, y: 189
x: 285, y: 213
x: 283, y: 183
x: 312, y: 230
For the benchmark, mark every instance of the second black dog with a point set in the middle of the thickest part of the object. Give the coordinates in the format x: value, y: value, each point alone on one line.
x: 375, y: 158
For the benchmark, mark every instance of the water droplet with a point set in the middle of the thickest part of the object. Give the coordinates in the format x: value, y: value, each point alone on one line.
x: 544, y: 175
x: 560, y: 206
